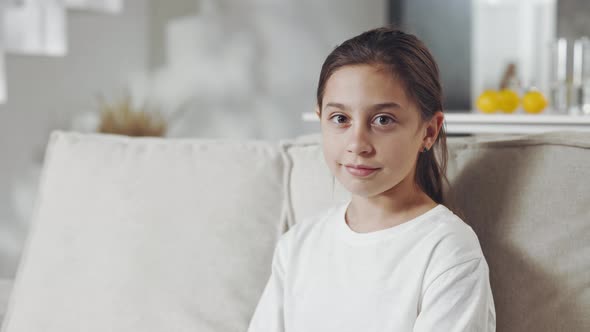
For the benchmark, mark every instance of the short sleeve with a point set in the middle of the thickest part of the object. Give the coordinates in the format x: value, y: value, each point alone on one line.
x: 458, y: 300
x: 269, y: 316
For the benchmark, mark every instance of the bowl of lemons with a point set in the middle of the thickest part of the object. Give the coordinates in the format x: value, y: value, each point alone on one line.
x: 508, y: 101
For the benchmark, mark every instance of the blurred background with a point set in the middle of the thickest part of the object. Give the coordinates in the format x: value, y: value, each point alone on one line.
x: 234, y: 69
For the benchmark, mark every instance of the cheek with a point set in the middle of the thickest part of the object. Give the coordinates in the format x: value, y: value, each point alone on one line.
x: 330, y: 151
x: 400, y: 156
x: 333, y: 156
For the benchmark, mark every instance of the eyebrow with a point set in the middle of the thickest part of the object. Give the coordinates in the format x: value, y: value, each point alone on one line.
x: 374, y: 108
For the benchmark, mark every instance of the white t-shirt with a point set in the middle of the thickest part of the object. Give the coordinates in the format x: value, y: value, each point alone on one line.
x: 427, y: 274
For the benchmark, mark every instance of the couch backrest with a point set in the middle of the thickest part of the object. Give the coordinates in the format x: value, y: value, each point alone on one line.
x: 177, y: 235
x: 148, y: 235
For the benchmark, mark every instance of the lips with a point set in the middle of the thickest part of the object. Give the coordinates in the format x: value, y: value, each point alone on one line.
x: 360, y: 170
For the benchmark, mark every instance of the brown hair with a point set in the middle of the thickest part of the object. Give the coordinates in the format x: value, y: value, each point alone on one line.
x: 411, y: 62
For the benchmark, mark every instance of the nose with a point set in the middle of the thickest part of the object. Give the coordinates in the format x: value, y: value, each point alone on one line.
x: 359, y: 140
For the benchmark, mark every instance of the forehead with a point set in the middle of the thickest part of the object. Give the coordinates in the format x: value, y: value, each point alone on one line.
x: 365, y: 84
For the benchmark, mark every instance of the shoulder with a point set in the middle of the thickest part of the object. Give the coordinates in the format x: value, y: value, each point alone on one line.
x: 451, y: 229
x: 309, y: 227
x: 456, y: 266
x: 453, y: 242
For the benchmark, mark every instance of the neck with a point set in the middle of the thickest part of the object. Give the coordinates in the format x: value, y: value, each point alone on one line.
x: 393, y: 207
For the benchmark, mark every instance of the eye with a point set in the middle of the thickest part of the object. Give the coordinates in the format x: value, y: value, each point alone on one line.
x: 338, y: 118
x: 384, y: 120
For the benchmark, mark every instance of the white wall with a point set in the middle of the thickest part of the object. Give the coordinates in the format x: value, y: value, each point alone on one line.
x: 44, y: 91
x: 249, y: 68
x: 161, y: 13
x: 104, y: 51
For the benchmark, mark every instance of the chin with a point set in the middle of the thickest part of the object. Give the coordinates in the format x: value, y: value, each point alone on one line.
x: 359, y: 188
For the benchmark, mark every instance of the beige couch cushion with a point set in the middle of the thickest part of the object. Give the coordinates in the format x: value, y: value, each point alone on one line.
x: 148, y: 235
x: 529, y: 202
x: 311, y: 187
x: 527, y: 198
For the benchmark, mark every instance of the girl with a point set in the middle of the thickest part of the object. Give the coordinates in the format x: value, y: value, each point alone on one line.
x: 393, y: 258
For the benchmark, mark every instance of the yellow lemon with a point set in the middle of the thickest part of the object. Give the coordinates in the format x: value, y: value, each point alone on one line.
x: 508, y: 100
x: 534, y: 102
x: 488, y: 101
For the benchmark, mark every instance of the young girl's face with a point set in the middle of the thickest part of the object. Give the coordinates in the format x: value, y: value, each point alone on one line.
x: 367, y: 119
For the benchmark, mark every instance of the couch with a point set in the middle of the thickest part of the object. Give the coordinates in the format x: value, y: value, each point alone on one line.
x: 150, y: 234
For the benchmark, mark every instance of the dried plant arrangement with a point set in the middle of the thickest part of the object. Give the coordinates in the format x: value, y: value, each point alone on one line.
x: 122, y: 118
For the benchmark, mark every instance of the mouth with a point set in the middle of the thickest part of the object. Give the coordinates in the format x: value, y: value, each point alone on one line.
x: 360, y: 170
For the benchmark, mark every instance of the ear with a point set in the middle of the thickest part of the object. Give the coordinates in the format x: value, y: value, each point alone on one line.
x: 433, y: 129
x: 317, y: 112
